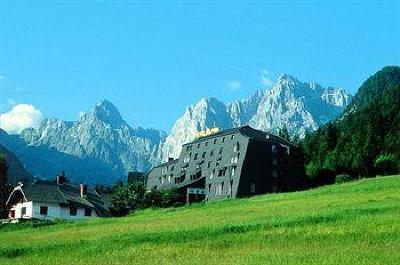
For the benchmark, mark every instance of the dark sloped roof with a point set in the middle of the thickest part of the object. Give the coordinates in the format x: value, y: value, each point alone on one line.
x: 43, y: 192
x: 51, y: 192
x: 218, y: 134
x: 244, y: 130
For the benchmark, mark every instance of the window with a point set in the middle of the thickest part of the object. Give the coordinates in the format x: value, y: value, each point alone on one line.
x: 73, y: 210
x: 212, y: 174
x: 222, y: 172
x: 195, y: 156
x: 233, y: 171
x: 203, y: 155
x: 43, y: 210
x: 23, y: 211
x: 215, y: 141
x: 172, y: 168
x: 233, y: 137
x: 218, y: 189
x: 274, y: 149
x: 230, y: 187
x: 188, y: 148
x: 160, y: 179
x: 88, y: 212
x: 235, y: 159
x: 198, y: 145
x: 169, y: 178
x: 252, y: 187
x: 179, y: 179
x: 209, y: 188
x: 206, y: 143
x: 212, y: 153
x: 223, y: 139
x: 220, y: 151
x: 209, y: 164
x: 236, y: 147
x: 187, y: 158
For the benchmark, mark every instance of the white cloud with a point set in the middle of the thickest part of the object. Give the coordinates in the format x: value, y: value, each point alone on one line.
x: 20, y: 117
x: 266, y: 78
x: 234, y: 85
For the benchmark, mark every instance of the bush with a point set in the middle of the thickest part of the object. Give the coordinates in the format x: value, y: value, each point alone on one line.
x: 342, y: 178
x: 386, y: 165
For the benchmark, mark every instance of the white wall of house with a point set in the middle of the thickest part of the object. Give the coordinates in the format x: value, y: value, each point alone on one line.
x: 80, y: 214
x: 18, y: 210
x: 54, y: 211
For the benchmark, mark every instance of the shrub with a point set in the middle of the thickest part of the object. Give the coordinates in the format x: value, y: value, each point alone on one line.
x: 386, y: 165
x: 341, y: 178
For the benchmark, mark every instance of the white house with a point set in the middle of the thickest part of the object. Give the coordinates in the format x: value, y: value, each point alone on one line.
x: 49, y: 200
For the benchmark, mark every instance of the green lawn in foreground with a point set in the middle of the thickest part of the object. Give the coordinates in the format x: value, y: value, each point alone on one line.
x: 352, y: 223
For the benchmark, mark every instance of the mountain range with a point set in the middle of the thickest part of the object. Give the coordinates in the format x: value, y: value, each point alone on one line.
x: 100, y: 147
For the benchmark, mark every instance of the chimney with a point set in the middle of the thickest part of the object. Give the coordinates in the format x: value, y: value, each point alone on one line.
x: 61, y: 178
x: 83, y: 190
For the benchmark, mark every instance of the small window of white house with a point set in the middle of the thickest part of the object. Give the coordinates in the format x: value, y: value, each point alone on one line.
x: 88, y: 212
x: 43, y: 210
x: 252, y: 187
x: 73, y: 210
x: 23, y: 211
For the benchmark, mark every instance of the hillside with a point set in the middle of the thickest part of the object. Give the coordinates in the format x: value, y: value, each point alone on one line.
x: 365, y: 139
x: 16, y: 171
x: 352, y: 223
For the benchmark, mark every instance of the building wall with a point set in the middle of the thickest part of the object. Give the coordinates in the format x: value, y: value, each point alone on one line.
x: 265, y: 164
x: 54, y: 211
x: 18, y: 210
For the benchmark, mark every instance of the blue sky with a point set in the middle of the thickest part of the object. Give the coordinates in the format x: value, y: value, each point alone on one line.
x: 153, y: 59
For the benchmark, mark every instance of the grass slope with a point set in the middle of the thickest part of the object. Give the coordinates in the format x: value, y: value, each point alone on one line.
x: 352, y: 223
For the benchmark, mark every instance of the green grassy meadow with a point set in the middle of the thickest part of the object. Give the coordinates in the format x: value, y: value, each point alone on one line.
x: 352, y: 223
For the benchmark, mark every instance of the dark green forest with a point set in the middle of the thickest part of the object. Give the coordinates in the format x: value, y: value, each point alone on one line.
x: 364, y: 140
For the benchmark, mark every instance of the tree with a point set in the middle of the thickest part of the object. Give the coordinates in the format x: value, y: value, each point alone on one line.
x: 284, y: 133
x: 3, y: 172
x: 386, y: 165
x: 4, y: 188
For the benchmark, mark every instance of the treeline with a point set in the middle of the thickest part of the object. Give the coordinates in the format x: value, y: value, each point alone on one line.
x: 364, y: 140
x: 5, y: 189
x: 133, y: 196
